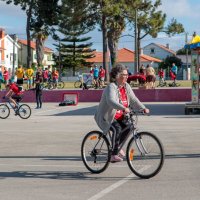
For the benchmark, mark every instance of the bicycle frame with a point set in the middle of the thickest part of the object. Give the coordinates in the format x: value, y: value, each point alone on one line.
x: 9, y: 102
x: 132, y: 129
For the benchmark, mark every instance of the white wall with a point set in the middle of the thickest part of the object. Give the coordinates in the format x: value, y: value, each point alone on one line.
x: 159, y: 52
x: 9, y: 53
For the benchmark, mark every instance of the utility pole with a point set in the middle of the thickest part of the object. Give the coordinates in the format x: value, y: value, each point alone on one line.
x: 136, y: 43
x: 59, y: 58
x: 186, y: 41
x: 13, y: 67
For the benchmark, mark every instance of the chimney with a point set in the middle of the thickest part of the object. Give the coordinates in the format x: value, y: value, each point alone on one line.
x: 141, y: 51
x: 2, y: 33
x: 167, y: 45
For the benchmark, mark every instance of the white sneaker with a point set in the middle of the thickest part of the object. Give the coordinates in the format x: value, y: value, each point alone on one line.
x: 121, y: 153
x: 116, y: 158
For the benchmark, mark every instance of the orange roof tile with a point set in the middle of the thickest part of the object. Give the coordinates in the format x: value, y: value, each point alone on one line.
x: 123, y: 55
x: 33, y: 45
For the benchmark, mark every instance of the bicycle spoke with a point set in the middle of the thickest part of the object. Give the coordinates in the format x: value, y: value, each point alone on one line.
x: 95, y: 152
x: 145, y: 151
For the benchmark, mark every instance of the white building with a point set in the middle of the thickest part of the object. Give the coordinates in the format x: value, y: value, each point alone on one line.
x: 158, y: 51
x: 8, y: 48
x: 48, y: 54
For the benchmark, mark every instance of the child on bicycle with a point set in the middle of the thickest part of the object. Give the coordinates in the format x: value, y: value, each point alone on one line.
x: 13, y: 93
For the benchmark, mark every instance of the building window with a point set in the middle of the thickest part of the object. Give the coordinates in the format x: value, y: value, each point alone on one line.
x: 35, y: 56
x: 152, y: 51
x: 49, y: 57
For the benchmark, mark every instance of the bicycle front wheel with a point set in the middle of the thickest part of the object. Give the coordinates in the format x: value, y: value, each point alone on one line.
x: 60, y: 85
x: 145, y: 155
x: 95, y: 152
x: 24, y: 111
x: 4, y: 111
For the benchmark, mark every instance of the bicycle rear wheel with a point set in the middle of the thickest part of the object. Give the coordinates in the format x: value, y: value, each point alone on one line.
x: 4, y: 111
x: 95, y: 152
x: 60, y: 85
x: 145, y: 155
x: 78, y: 84
x: 24, y: 111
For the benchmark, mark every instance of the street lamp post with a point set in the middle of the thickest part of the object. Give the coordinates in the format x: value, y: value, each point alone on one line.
x: 187, y: 70
x: 13, y: 67
x: 136, y: 43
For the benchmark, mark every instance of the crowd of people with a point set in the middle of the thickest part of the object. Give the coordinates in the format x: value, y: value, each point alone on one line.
x: 35, y: 78
x: 21, y: 75
x: 98, y: 76
x: 147, y: 76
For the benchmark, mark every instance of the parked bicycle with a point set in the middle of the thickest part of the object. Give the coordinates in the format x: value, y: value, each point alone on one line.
x: 50, y: 85
x: 88, y: 83
x: 174, y: 84
x: 162, y: 83
x: 144, y: 152
x: 23, y: 110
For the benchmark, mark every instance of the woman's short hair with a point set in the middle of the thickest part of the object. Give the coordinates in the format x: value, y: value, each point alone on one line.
x: 115, y: 71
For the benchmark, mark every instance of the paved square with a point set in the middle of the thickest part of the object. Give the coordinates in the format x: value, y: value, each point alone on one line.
x: 40, y: 157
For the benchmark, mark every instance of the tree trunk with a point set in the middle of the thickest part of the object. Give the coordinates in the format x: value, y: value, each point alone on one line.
x: 113, y: 45
x: 29, y: 14
x: 40, y: 48
x: 74, y: 58
x: 105, y: 46
x: 139, y: 47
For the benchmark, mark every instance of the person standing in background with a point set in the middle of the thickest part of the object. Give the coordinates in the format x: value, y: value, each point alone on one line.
x: 1, y: 78
x: 38, y: 88
x: 174, y: 69
x: 102, y: 74
x: 29, y: 74
x: 45, y: 75
x: 55, y: 76
x: 96, y: 76
x: 6, y: 76
x: 20, y: 75
x: 150, y: 77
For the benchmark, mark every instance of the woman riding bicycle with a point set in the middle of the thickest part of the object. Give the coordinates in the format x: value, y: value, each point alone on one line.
x: 115, y: 101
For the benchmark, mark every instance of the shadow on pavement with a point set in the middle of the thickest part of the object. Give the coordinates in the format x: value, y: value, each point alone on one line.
x: 61, y: 175
x: 81, y: 111
x: 72, y: 175
x: 155, y: 109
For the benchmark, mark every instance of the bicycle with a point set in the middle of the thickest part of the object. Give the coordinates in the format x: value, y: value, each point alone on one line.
x: 50, y: 85
x: 89, y: 83
x: 174, y: 84
x: 162, y: 83
x: 144, y: 153
x: 23, y: 110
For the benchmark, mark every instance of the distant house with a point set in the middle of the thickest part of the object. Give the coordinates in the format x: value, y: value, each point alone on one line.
x: 158, y: 51
x: 48, y: 54
x: 8, y: 48
x: 126, y: 57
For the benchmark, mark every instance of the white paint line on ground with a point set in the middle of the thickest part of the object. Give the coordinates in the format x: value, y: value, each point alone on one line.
x: 114, y: 186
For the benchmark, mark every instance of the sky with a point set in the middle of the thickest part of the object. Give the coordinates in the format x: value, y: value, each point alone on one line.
x: 13, y: 20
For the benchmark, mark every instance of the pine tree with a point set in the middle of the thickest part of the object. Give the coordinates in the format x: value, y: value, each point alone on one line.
x: 74, y: 23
